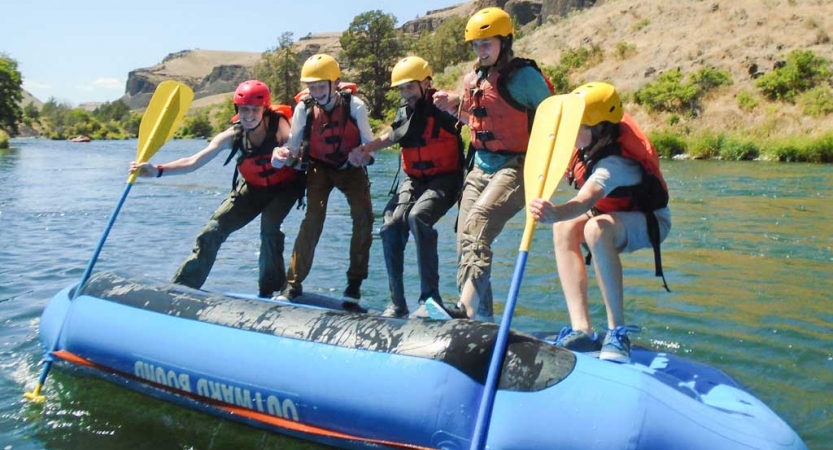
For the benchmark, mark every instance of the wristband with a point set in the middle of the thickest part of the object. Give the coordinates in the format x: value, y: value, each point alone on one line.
x: 160, y: 170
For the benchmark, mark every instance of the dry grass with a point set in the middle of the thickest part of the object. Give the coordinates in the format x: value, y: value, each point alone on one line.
x: 690, y: 35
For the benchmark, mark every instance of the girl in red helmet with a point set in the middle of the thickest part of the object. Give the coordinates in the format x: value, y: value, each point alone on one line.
x: 263, y: 189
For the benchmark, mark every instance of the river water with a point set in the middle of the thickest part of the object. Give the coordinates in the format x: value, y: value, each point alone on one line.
x: 748, y: 260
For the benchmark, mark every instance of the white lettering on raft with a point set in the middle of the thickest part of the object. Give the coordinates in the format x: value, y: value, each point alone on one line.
x: 215, y: 390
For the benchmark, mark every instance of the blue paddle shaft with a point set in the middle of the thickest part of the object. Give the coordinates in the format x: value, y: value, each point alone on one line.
x: 103, y: 238
x: 48, y: 361
x: 481, y: 428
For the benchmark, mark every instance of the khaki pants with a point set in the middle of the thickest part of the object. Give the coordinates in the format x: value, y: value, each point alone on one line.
x: 355, y: 186
x: 241, y: 206
x: 488, y: 202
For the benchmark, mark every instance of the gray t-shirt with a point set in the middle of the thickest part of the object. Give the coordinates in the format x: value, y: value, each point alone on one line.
x: 615, y: 171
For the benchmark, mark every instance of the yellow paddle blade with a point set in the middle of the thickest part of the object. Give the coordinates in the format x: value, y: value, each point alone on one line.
x: 551, y: 145
x: 162, y: 117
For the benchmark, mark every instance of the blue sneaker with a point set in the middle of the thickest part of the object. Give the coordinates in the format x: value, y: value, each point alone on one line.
x: 617, y: 345
x: 438, y: 311
x: 579, y: 341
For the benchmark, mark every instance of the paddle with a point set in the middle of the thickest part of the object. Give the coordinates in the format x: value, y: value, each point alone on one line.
x: 162, y: 117
x: 550, y: 149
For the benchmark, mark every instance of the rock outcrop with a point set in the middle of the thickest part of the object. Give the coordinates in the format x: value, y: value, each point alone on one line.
x: 208, y: 72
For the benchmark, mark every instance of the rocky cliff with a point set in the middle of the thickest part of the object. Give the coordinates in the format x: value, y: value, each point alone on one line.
x: 211, y: 72
x: 208, y: 72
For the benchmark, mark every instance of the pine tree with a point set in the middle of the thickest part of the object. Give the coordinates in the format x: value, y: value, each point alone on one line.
x: 370, y: 48
x: 280, y: 69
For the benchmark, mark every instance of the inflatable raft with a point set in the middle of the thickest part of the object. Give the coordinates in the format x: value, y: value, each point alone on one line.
x: 354, y: 380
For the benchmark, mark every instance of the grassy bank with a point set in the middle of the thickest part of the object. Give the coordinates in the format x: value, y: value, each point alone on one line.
x: 742, y: 147
x: 4, y: 139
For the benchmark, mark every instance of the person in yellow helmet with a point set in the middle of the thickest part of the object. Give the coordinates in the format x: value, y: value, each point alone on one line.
x: 329, y: 123
x: 621, y: 206
x: 501, y: 95
x: 432, y: 159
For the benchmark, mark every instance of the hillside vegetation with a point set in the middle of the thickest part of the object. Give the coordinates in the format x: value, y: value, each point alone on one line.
x: 632, y: 44
x: 744, y: 79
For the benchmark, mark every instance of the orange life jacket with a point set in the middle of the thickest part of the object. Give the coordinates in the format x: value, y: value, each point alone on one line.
x: 255, y: 163
x: 431, y: 146
x: 330, y: 136
x: 650, y: 195
x: 497, y: 122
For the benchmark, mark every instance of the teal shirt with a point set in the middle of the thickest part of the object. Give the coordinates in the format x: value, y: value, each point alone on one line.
x: 528, y: 88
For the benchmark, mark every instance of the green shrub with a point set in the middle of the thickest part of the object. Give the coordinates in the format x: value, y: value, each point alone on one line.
x: 709, y: 78
x: 803, y: 71
x: 667, y: 93
x: 821, y: 150
x: 624, y: 50
x: 449, y: 77
x: 196, y: 126
x: 667, y: 143
x: 560, y: 77
x: 670, y: 93
x: 735, y: 150
x: 817, y: 101
x: 638, y: 26
x: 706, y: 145
x: 581, y: 57
x: 802, y: 149
x: 4, y: 139
x: 746, y: 101
x: 785, y: 151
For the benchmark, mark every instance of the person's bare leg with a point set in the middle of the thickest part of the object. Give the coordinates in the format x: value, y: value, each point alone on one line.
x: 605, y: 236
x: 567, y: 238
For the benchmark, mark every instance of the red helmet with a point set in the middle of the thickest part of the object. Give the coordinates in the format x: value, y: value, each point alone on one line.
x: 252, y: 92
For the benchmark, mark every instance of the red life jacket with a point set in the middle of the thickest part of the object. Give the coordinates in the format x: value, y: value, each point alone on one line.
x: 255, y: 163
x: 431, y: 146
x: 330, y: 136
x: 497, y: 122
x: 650, y: 195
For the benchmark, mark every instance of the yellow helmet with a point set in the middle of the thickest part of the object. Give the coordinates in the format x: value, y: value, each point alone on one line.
x: 412, y: 68
x: 489, y: 22
x: 320, y: 67
x: 601, y: 103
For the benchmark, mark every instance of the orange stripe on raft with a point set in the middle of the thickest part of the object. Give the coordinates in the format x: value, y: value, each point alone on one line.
x: 247, y: 413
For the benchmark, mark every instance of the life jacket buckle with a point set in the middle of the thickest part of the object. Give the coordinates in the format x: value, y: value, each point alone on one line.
x: 484, y: 136
x: 479, y: 112
x: 333, y: 140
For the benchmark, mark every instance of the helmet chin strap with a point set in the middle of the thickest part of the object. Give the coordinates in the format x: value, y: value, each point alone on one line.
x: 329, y: 96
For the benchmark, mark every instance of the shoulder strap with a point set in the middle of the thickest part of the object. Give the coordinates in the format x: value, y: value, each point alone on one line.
x: 346, y: 103
x: 236, y: 143
x: 309, y: 104
x: 509, y: 71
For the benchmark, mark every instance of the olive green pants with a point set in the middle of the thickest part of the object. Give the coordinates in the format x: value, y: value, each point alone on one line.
x: 241, y: 206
